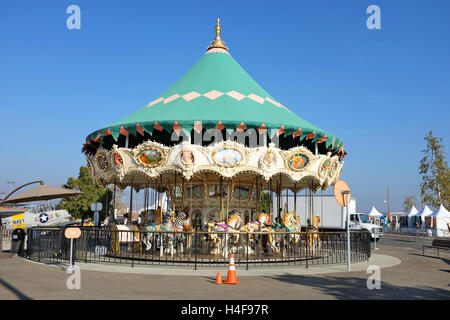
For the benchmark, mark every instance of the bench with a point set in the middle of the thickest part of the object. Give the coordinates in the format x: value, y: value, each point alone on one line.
x: 438, y: 244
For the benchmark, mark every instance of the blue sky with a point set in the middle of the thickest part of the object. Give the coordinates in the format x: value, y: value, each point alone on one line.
x: 381, y: 91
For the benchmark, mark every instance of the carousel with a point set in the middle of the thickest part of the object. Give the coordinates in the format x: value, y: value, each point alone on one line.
x: 212, y: 145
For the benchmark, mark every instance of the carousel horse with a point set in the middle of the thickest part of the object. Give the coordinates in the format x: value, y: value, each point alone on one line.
x: 181, y: 223
x: 292, y: 224
x: 312, y: 235
x: 232, y: 226
x: 263, y: 220
x: 148, y: 235
x: 166, y: 225
x: 251, y: 227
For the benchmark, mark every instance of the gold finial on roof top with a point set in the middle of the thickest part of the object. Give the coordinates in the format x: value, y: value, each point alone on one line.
x: 218, y: 43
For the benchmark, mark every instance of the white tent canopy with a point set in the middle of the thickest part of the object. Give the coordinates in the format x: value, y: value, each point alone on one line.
x: 374, y: 213
x: 424, y: 213
x: 442, y: 217
x: 411, y: 216
x: 441, y: 213
x: 412, y: 212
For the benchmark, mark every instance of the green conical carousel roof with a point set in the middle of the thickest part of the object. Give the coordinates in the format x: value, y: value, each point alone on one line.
x: 216, y: 92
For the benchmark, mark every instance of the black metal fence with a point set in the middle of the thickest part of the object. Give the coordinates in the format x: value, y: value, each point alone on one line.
x: 197, y: 248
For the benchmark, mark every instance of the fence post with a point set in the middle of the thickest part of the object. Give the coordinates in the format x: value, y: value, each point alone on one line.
x: 86, y: 243
x: 39, y: 246
x: 132, y: 245
x: 247, y: 250
x: 196, y: 249
x: 27, y: 252
x: 306, y: 238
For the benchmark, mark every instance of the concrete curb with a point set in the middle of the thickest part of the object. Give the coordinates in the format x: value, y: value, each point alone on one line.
x: 382, y: 261
x: 416, y: 237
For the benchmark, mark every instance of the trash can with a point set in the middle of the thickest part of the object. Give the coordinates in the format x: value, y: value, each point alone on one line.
x: 17, y: 243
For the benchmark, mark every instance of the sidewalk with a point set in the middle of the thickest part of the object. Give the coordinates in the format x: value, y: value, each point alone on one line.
x: 383, y: 261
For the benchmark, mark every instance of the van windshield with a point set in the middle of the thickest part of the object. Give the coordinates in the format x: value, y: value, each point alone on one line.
x: 365, y: 218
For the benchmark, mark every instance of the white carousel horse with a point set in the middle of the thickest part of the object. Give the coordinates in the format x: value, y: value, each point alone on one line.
x: 293, y: 224
x: 232, y: 226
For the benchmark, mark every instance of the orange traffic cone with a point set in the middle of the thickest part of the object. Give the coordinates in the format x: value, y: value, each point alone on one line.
x: 231, y: 277
x: 219, y: 278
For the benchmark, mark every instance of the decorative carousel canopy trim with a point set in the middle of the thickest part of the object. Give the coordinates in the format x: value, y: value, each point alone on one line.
x: 198, y: 125
x: 157, y: 126
x: 98, y: 137
x: 191, y: 95
x: 236, y: 95
x: 171, y: 98
x: 155, y: 101
x: 214, y: 94
x: 323, y: 139
x: 149, y: 128
x: 280, y: 131
x: 123, y: 131
x: 139, y: 129
x: 297, y: 133
x: 241, y: 127
x: 176, y: 126
x: 220, y: 126
x: 228, y: 159
x: 107, y: 133
x: 256, y: 98
x: 311, y: 135
x: 262, y: 128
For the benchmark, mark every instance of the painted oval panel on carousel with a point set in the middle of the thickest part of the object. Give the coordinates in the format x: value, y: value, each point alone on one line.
x: 102, y: 162
x: 228, y: 157
x: 269, y: 158
x: 325, y: 167
x: 298, y: 161
x: 186, y: 157
x: 333, y: 169
x: 150, y: 157
x: 118, y: 162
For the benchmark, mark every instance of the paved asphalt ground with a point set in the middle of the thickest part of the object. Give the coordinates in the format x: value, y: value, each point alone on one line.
x: 416, y: 277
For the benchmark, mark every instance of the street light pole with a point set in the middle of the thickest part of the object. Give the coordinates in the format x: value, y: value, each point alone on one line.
x: 388, y: 200
x: 345, y: 196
